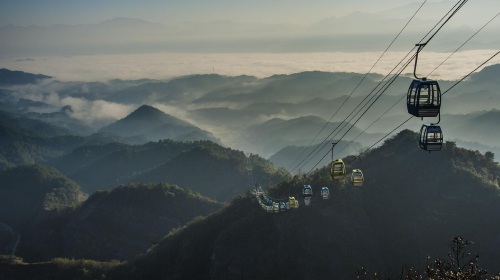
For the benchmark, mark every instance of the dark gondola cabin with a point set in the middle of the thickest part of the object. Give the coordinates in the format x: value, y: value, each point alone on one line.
x: 424, y: 98
x: 431, y: 137
x: 337, y: 170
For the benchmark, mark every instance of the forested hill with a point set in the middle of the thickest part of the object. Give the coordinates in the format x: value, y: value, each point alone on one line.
x: 214, y: 171
x: 28, y: 192
x: 410, y: 207
x: 28, y: 141
x: 116, y: 224
x: 29, y: 195
x: 412, y: 204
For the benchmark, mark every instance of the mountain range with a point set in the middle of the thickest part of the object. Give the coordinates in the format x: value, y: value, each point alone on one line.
x: 391, y: 222
x: 235, y: 111
x: 411, y: 205
x: 8, y: 77
x: 44, y: 215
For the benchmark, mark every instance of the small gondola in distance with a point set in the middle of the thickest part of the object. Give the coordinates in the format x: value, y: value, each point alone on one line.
x: 293, y: 202
x: 337, y: 169
x: 307, y: 191
x: 357, y: 178
x: 325, y: 193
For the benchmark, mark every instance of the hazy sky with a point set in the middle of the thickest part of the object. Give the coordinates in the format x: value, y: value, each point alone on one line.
x: 50, y: 12
x: 260, y: 37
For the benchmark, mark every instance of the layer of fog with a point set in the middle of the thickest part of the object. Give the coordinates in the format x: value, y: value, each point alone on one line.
x: 169, y: 65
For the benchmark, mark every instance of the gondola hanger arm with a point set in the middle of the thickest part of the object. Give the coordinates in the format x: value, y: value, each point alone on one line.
x: 420, y: 47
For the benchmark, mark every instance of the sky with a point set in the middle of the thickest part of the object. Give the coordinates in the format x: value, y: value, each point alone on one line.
x: 50, y: 12
x: 162, y: 39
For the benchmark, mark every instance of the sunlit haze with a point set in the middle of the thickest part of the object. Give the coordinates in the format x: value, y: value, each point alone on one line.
x: 160, y: 39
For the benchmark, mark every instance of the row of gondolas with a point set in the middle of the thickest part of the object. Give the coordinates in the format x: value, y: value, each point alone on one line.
x: 423, y: 100
x: 337, y: 171
x: 275, y: 205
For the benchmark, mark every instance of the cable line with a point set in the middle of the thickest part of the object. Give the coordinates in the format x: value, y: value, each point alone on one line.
x: 473, y: 35
x: 453, y: 11
x: 459, y: 81
x: 349, y: 96
x: 427, y: 75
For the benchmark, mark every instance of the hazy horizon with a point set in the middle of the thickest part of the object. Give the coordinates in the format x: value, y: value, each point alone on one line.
x: 163, y: 66
x: 93, y: 40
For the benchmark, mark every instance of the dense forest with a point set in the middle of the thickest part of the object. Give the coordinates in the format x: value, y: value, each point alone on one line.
x: 398, y: 222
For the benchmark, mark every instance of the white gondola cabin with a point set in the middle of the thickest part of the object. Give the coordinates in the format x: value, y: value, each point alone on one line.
x: 325, y: 193
x: 357, y: 178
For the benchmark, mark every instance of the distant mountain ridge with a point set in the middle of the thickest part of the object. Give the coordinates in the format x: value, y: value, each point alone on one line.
x: 10, y: 78
x: 272, y: 136
x: 230, y: 107
x: 150, y: 124
x: 27, y: 141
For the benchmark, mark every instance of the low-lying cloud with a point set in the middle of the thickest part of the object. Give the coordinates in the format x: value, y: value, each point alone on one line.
x: 94, y: 113
x: 169, y: 65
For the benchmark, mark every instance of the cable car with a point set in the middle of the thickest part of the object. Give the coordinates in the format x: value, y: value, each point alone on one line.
x: 357, y: 178
x: 325, y: 193
x: 307, y: 191
x: 424, y: 98
x: 431, y: 137
x: 307, y: 201
x: 282, y: 206
x: 293, y: 202
x: 337, y: 170
x: 276, y: 207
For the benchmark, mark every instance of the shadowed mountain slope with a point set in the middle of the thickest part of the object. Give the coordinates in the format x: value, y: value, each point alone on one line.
x: 411, y: 205
x: 116, y: 224
x: 31, y: 193
x: 27, y: 141
x: 203, y: 166
x: 214, y: 171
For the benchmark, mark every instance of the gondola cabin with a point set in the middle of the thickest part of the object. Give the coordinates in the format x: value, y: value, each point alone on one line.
x: 431, y: 137
x: 424, y: 98
x: 357, y: 178
x: 293, y: 202
x: 307, y: 201
x: 307, y: 191
x: 282, y: 206
x: 325, y: 193
x: 337, y: 170
x: 276, y: 207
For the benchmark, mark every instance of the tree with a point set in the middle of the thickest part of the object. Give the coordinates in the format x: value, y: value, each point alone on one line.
x: 459, y: 265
